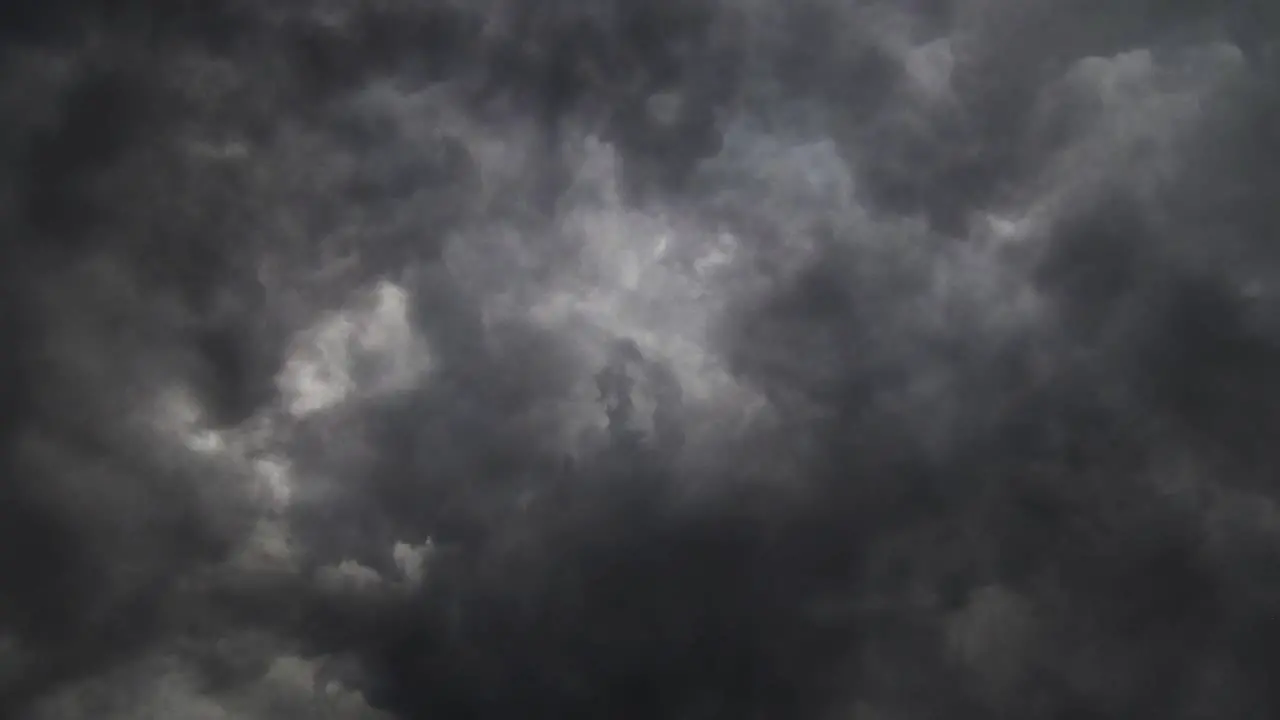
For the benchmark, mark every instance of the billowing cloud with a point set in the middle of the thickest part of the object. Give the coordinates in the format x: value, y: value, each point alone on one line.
x: 638, y: 359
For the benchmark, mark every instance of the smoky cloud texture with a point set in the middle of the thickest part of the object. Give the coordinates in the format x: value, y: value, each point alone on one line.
x: 619, y: 359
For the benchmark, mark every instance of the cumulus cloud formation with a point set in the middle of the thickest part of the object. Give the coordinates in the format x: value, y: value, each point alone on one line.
x: 430, y: 359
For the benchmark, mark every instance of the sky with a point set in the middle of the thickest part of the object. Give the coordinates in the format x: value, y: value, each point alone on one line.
x: 808, y: 359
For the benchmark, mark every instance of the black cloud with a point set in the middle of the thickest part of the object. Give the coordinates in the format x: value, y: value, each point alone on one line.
x: 466, y: 360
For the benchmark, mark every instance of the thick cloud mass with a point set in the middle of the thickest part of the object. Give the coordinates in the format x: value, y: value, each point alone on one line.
x: 623, y: 359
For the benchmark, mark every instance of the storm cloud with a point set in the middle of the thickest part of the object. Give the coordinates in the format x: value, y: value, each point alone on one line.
x: 490, y: 359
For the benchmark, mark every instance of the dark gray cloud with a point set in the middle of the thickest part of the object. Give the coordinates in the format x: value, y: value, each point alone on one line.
x: 467, y: 360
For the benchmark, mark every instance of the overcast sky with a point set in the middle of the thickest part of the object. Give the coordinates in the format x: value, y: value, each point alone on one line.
x: 690, y: 359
